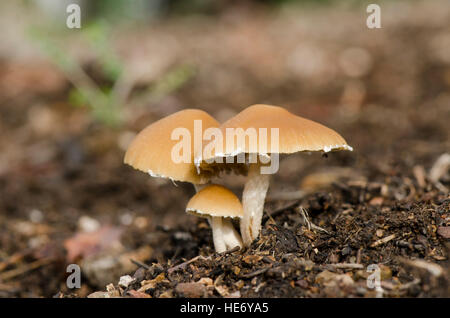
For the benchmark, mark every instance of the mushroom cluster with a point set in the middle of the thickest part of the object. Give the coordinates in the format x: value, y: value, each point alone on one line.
x: 151, y: 152
x: 277, y: 132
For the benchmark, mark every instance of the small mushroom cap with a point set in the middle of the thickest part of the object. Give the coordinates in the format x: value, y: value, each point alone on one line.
x: 151, y: 149
x: 295, y: 133
x: 215, y: 200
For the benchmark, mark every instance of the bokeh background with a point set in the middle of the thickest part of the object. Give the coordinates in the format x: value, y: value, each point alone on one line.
x: 71, y: 100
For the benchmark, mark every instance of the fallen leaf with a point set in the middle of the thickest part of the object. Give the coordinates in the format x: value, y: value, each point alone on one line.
x: 88, y: 244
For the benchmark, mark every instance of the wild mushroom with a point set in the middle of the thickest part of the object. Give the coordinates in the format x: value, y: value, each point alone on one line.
x: 277, y: 132
x: 218, y: 203
x: 152, y: 149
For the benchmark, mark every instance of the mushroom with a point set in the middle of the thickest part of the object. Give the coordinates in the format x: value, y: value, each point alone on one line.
x: 285, y: 133
x: 217, y: 203
x: 151, y: 151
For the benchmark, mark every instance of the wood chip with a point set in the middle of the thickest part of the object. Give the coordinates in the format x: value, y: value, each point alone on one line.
x: 444, y: 231
x: 150, y: 284
x: 138, y: 294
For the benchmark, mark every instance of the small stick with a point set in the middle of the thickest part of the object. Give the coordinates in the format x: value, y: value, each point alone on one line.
x: 26, y: 268
x: 139, y: 264
x: 434, y: 269
x: 383, y: 240
x: 231, y: 250
x: 419, y: 173
x: 184, y: 264
x: 358, y: 256
x: 255, y: 273
x: 440, y: 168
x: 307, y: 222
x: 16, y: 257
x: 345, y: 266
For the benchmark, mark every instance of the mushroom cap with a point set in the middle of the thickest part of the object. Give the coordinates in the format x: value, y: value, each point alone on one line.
x: 215, y: 200
x: 296, y: 134
x: 151, y: 149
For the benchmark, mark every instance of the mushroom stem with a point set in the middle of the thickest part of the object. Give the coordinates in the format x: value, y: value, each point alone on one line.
x: 225, y: 235
x: 217, y: 230
x: 253, y: 203
x: 230, y: 236
x: 199, y: 187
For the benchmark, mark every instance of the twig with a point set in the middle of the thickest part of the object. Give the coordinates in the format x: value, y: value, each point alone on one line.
x: 16, y: 257
x: 308, y: 223
x: 358, y: 256
x: 184, y: 264
x: 24, y: 269
x: 383, y: 240
x: 345, y: 266
x: 305, y: 216
x: 439, y: 169
x: 432, y: 268
x: 256, y: 273
x: 408, y: 285
x: 231, y: 250
x: 139, y: 264
x: 419, y: 173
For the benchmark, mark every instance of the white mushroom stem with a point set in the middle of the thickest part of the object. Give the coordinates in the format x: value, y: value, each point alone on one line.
x: 217, y: 231
x: 230, y: 235
x: 225, y: 236
x: 199, y: 187
x: 253, y: 203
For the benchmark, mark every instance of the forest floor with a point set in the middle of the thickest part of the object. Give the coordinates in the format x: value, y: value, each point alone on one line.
x: 66, y: 196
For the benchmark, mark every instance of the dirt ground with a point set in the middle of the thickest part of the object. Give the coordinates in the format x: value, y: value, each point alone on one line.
x: 66, y: 196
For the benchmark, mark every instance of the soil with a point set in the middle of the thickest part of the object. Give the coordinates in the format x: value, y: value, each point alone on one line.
x: 330, y: 223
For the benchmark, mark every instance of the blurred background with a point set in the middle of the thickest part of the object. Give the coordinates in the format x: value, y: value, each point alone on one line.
x: 71, y: 100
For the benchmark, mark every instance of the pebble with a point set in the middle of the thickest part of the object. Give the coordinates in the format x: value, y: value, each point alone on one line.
x: 88, y: 224
x: 444, y: 231
x: 125, y: 281
x: 139, y: 275
x: 346, y: 251
x: 36, y: 216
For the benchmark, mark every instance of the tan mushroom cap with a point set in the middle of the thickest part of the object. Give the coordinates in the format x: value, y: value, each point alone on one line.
x: 151, y: 149
x: 215, y: 200
x: 296, y: 134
